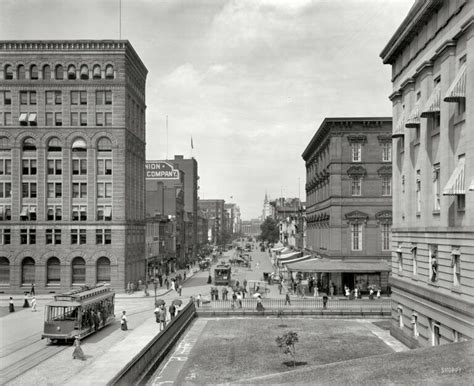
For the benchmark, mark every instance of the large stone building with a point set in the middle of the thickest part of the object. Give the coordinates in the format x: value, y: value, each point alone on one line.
x: 72, y: 155
x: 432, y: 59
x: 290, y: 215
x: 349, y: 200
x: 215, y: 213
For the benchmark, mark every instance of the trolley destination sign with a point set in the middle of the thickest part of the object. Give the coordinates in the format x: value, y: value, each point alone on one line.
x: 160, y: 170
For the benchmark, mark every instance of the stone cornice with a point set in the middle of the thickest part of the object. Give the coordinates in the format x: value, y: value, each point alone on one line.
x: 407, y: 83
x: 385, y: 171
x: 395, y: 95
x: 384, y: 138
x: 356, y: 171
x: 448, y: 47
x: 360, y: 138
x: 356, y: 216
x: 424, y: 69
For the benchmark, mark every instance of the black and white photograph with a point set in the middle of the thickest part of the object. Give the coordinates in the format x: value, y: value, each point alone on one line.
x: 232, y: 192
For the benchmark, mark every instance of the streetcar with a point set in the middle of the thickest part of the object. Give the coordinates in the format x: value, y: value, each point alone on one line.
x: 222, y: 274
x: 79, y: 313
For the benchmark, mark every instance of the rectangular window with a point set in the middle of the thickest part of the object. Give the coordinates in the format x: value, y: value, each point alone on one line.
x: 104, y: 167
x: 108, y: 190
x: 75, y: 119
x: 28, y: 189
x: 28, y: 236
x: 29, y: 167
x: 50, y: 97
x: 356, y: 237
x: 53, y: 236
x: 414, y: 322
x: 456, y: 263
x: 356, y: 186
x: 83, y: 97
x: 55, y: 167
x: 79, y: 166
x: 74, y: 97
x: 99, y: 121
x: 387, y: 152
x: 23, y: 97
x: 418, y: 191
x: 57, y: 97
x: 5, y: 213
x: 386, y: 232
x: 83, y: 117
x: 78, y: 236
x: 49, y: 119
x: 100, y: 190
x: 32, y: 97
x: 5, y: 236
x: 99, y: 97
x: 54, y: 213
x: 79, y: 213
x: 108, y: 97
x: 58, y: 119
x: 79, y: 190
x: 5, y: 189
x: 414, y: 258
x: 356, y: 152
x: 432, y: 263
x: 386, y: 186
x: 7, y: 98
x: 108, y: 119
x: 8, y: 118
x: 435, y: 333
x: 436, y: 188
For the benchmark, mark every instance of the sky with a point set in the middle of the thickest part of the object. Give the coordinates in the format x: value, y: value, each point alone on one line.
x: 250, y: 81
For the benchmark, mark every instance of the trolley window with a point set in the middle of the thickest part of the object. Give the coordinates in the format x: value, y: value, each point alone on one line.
x: 62, y: 313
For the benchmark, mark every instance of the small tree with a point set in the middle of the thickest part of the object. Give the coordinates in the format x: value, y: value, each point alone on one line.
x: 286, y: 344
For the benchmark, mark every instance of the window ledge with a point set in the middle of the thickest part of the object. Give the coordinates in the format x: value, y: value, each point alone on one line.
x: 418, y: 214
x: 436, y: 212
x: 461, y: 210
x: 457, y: 289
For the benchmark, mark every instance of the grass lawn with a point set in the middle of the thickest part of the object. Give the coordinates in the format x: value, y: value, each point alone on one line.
x: 230, y: 350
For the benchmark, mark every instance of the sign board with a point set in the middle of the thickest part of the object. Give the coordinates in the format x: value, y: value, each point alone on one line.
x: 160, y: 170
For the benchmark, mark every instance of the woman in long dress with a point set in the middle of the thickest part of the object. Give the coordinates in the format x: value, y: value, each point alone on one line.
x: 11, y: 306
x: 78, y: 353
x: 26, y: 304
x: 123, y: 322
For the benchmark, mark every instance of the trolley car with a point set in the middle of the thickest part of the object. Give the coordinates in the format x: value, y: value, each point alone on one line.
x: 222, y: 274
x: 78, y: 313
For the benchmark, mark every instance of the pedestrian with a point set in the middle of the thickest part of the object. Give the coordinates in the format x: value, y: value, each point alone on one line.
x: 160, y: 279
x: 123, y: 321
x: 234, y: 299
x: 378, y: 294
x: 167, y: 283
x: 172, y: 310
x: 180, y: 289
x: 32, y: 291
x: 198, y: 300
x: 356, y: 293
x: 209, y: 279
x: 26, y: 304
x: 173, y: 284
x: 132, y: 287
x: 260, y: 305
x: 162, y: 317
x: 184, y: 275
x: 325, y: 300
x: 245, y: 283
x: 157, y: 314
x: 78, y: 353
x: 257, y: 266
x: 316, y: 291
x: 129, y: 287
x: 239, y: 299
x: 371, y: 293
x: 33, y: 304
x: 11, y: 306
x: 331, y: 290
x: 287, y: 299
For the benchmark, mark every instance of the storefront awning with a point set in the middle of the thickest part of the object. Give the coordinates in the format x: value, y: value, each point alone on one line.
x: 433, y: 105
x: 399, y: 130
x: 286, y: 250
x: 288, y: 256
x: 455, y: 183
x: 413, y: 120
x: 327, y: 265
x: 457, y: 90
x: 277, y: 249
x: 296, y: 259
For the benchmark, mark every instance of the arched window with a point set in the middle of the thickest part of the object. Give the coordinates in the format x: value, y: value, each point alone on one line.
x: 21, y: 72
x: 53, y: 271
x: 84, y: 72
x: 78, y: 270
x: 27, y: 271
x: 34, y: 72
x: 4, y: 271
x: 104, y: 145
x: 109, y: 72
x: 4, y: 144
x: 96, y: 72
x: 103, y: 269
x: 54, y: 144
x: 59, y: 74
x: 71, y: 72
x: 29, y: 144
x: 8, y: 72
x: 79, y: 145
x: 47, y: 72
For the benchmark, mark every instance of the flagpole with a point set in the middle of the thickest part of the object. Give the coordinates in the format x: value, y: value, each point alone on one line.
x: 166, y: 137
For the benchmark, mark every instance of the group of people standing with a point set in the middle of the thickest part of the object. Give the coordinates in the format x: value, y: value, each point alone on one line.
x: 27, y: 302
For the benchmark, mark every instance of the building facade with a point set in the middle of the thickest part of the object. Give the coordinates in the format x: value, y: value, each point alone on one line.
x: 215, y: 213
x: 289, y: 213
x: 191, y: 187
x: 72, y: 155
x: 432, y: 59
x: 349, y: 200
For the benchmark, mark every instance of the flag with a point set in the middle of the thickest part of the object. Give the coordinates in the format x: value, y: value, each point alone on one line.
x: 192, y: 145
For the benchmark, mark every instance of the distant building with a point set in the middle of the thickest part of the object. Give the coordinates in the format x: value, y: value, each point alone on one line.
x: 251, y: 228
x: 289, y: 214
x: 165, y: 200
x: 432, y: 59
x: 72, y: 155
x: 215, y: 213
x: 349, y: 201
x: 266, y: 208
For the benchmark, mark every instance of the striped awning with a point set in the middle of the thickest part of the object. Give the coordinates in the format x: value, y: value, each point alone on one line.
x: 455, y: 183
x: 288, y: 256
x: 296, y: 259
x: 433, y: 105
x: 413, y: 119
x: 400, y: 128
x: 457, y: 90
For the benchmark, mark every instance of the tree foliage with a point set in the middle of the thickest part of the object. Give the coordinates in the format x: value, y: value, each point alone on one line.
x: 270, y: 231
x: 286, y: 344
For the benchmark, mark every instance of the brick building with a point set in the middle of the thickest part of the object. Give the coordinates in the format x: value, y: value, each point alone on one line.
x: 432, y: 59
x: 72, y: 155
x: 215, y: 213
x: 349, y: 203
